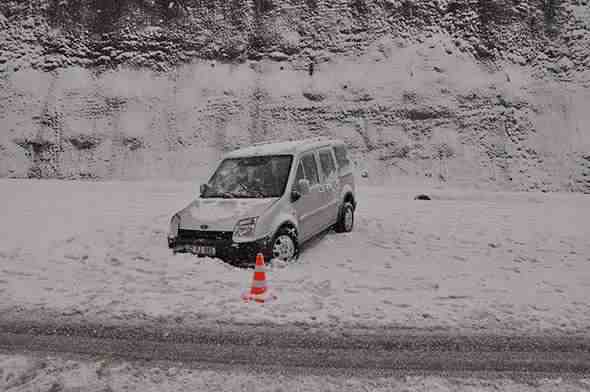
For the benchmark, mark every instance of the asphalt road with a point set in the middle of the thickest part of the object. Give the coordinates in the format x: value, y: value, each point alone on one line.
x: 427, y: 352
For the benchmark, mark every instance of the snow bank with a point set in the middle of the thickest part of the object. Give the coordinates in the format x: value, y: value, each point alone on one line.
x: 57, y: 374
x: 466, y: 260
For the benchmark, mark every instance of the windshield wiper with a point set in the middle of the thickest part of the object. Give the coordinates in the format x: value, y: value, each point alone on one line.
x: 257, y: 192
x: 224, y: 195
x: 227, y: 195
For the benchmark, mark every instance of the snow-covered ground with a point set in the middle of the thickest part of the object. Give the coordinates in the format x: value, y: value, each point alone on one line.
x: 466, y: 261
x: 27, y: 373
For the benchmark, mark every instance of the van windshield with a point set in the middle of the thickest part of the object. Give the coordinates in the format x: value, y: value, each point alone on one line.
x: 250, y: 177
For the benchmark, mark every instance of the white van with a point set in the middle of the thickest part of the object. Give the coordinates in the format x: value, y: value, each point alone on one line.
x: 268, y: 198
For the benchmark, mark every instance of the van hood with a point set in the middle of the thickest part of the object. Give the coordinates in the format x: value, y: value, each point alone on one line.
x: 221, y: 214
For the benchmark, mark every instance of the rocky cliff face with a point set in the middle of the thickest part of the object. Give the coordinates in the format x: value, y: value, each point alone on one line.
x: 487, y: 93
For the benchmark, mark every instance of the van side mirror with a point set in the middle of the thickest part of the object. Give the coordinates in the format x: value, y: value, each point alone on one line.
x: 203, y: 188
x: 295, y: 195
x: 303, y: 186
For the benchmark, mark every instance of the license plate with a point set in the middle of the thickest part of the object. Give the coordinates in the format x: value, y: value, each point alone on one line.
x: 204, y: 250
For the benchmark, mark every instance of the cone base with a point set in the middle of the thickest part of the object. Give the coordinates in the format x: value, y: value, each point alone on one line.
x: 262, y: 298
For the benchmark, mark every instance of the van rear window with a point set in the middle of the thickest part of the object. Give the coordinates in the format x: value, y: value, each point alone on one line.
x: 341, y: 157
x: 311, y: 170
x: 327, y: 162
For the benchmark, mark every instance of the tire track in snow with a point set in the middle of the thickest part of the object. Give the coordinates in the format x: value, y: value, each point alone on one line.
x: 260, y: 346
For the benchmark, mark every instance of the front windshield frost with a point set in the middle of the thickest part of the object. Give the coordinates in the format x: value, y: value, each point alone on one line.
x: 251, y: 177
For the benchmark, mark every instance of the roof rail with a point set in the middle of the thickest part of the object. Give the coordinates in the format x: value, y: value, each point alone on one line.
x: 265, y: 142
x: 309, y: 139
x: 315, y: 139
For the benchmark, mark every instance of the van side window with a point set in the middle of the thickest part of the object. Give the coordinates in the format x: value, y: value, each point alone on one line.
x: 327, y: 162
x: 311, y: 170
x: 299, y: 176
x: 341, y: 158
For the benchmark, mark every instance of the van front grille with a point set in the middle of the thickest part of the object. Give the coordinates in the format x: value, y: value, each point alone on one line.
x: 205, y: 235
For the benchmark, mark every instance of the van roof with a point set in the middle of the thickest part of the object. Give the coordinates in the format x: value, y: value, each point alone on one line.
x: 285, y: 147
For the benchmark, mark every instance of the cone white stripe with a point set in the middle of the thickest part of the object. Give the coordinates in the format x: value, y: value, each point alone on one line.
x: 258, y: 284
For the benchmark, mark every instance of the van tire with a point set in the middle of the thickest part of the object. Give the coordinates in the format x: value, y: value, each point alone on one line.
x: 288, y: 236
x: 345, y: 222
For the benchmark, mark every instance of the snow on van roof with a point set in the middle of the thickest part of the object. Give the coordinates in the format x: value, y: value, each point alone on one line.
x: 285, y: 147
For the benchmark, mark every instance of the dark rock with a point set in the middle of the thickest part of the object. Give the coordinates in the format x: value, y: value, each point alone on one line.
x: 56, y: 387
x: 255, y: 56
x: 158, y: 55
x: 400, y: 152
x: 84, y: 142
x: 565, y: 64
x: 278, y: 56
x: 103, y: 60
x: 36, y: 145
x: 133, y: 143
x: 50, y: 66
x: 482, y: 51
x: 29, y: 23
x: 553, y: 67
x: 316, y: 97
x: 422, y: 197
x: 125, y: 56
x: 425, y: 113
x: 129, y: 44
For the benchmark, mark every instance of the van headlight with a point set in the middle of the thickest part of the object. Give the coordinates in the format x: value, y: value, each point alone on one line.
x: 174, y: 224
x: 245, y: 228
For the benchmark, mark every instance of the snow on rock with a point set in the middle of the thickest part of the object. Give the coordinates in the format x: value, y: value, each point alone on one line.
x: 465, y: 260
x: 134, y: 123
x: 565, y: 64
x: 150, y: 93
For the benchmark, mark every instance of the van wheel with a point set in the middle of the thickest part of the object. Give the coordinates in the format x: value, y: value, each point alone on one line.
x: 345, y: 219
x: 284, y: 245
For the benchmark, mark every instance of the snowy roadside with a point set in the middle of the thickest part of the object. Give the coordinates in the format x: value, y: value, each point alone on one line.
x: 465, y: 261
x: 26, y: 373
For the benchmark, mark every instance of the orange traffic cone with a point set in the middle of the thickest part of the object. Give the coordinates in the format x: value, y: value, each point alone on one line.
x: 259, y: 292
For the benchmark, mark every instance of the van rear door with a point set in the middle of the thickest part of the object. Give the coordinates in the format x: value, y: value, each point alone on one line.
x: 331, y: 186
x: 309, y: 207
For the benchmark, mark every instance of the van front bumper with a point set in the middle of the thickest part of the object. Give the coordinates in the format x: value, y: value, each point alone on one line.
x: 195, y: 242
